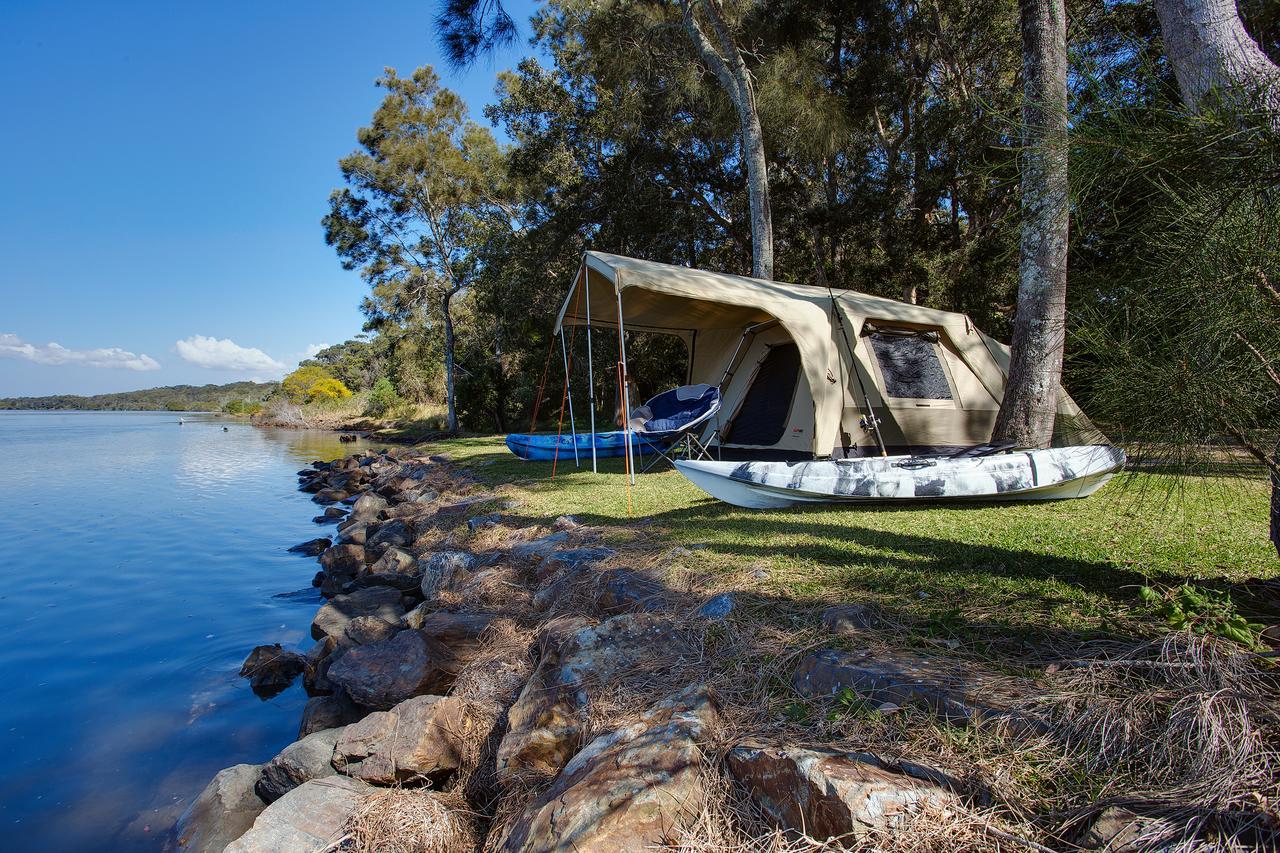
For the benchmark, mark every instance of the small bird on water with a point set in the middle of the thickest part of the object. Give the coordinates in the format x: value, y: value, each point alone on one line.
x: 226, y: 429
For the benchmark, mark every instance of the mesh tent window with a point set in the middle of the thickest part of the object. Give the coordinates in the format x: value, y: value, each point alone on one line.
x: 909, y: 363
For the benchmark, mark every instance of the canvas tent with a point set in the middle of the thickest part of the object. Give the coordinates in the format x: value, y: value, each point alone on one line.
x: 805, y: 373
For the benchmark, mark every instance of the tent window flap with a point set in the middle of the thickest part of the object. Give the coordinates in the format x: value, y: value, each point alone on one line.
x: 910, y: 365
x: 761, y: 420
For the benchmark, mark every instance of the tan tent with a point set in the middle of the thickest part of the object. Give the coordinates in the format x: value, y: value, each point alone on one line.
x: 806, y: 376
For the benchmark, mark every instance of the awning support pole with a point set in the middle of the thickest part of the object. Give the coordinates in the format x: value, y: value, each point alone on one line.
x: 591, y: 385
x: 626, y: 388
x: 568, y: 390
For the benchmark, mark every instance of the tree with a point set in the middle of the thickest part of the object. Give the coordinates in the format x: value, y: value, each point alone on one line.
x: 1213, y: 55
x: 420, y: 195
x: 309, y: 384
x: 382, y: 398
x: 725, y: 58
x: 1039, y: 330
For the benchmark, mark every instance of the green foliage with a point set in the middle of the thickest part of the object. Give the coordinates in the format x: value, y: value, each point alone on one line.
x: 242, y: 407
x: 382, y: 398
x: 1204, y: 611
x: 172, y: 398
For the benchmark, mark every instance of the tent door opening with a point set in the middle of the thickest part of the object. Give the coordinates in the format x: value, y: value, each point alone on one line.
x: 761, y: 419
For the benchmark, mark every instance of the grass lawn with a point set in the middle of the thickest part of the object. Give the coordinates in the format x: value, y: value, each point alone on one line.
x: 994, y: 577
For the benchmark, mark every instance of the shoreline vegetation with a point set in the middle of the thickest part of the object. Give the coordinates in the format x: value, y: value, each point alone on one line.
x: 503, y: 661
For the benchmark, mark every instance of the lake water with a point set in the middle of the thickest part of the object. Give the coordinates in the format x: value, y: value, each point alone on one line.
x: 142, y: 560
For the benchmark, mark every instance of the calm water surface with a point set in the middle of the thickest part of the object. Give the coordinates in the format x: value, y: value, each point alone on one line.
x: 141, y: 561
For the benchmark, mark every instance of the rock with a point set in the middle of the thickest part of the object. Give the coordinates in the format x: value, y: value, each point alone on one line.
x: 312, y: 547
x: 620, y: 590
x: 409, y: 584
x: 354, y: 533
x: 444, y: 570
x: 571, y: 558
x: 383, y: 674
x: 451, y: 629
x: 310, y: 817
x: 480, y: 522
x: 328, y: 712
x: 545, y: 725
x: 423, y: 739
x: 329, y: 496
x: 849, y: 619
x: 343, y: 560
x: 299, y: 762
x: 319, y: 658
x: 395, y: 560
x: 1116, y: 830
x: 396, y: 533
x: 368, y: 506
x: 566, y: 522
x: 627, y: 790
x: 837, y: 795
x: 224, y: 811
x: 718, y: 607
x: 953, y: 690
x: 537, y: 550
x: 331, y: 620
x: 363, y: 630
x: 313, y: 485
x: 270, y: 669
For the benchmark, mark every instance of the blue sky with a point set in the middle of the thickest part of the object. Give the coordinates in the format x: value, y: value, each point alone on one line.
x: 166, y: 166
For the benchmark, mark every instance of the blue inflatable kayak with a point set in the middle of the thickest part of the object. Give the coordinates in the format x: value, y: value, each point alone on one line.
x: 607, y: 444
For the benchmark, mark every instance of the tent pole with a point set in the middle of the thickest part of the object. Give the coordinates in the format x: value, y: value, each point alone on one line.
x: 626, y: 391
x: 591, y: 385
x: 568, y: 390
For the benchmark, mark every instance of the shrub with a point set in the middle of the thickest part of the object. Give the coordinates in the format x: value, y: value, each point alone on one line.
x: 310, y: 384
x: 382, y: 398
x: 327, y: 389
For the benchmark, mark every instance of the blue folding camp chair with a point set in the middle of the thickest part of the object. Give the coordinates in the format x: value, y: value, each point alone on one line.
x: 670, y: 420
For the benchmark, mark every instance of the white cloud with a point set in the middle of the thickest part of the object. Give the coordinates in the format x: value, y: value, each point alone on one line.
x: 11, y: 346
x: 226, y: 354
x: 313, y: 349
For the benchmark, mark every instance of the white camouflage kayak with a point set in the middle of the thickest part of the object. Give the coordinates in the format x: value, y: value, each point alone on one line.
x: 1028, y: 475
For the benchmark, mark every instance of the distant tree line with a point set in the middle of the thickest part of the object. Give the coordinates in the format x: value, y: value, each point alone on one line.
x: 235, y: 398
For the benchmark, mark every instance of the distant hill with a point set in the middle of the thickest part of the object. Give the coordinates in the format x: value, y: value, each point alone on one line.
x: 173, y: 398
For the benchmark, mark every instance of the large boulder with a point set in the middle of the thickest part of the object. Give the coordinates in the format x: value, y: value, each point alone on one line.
x: 270, y: 669
x: 395, y: 533
x: 837, y: 795
x: 445, y: 570
x: 621, y: 590
x: 311, y: 817
x: 955, y: 691
x: 395, y: 561
x: 628, y: 789
x: 423, y: 659
x: 224, y: 811
x: 545, y: 725
x: 383, y: 674
x: 423, y: 739
x: 329, y: 496
x: 363, y: 630
x: 331, y: 620
x: 312, y: 547
x: 354, y: 533
x: 345, y: 560
x: 299, y: 762
x: 328, y: 712
x: 368, y: 506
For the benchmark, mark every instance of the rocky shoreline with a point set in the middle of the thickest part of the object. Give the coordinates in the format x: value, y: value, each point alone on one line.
x: 481, y: 680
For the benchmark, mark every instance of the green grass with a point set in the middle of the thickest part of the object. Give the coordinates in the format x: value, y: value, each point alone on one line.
x: 984, y: 574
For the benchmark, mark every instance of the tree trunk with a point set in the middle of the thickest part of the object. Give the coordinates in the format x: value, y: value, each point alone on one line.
x: 1035, y: 371
x: 450, y: 397
x: 726, y: 62
x: 1211, y: 51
